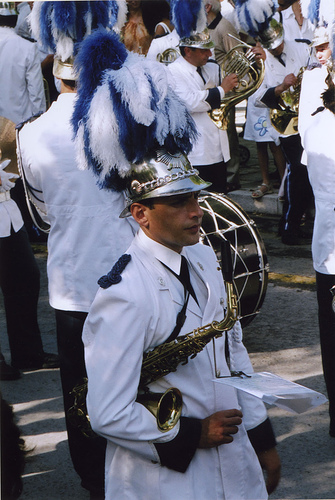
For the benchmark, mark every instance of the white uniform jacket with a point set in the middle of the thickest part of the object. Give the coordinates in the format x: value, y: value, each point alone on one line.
x: 319, y: 143
x: 312, y: 85
x: 296, y: 57
x: 86, y: 234
x: 131, y: 317
x: 21, y: 80
x: 212, y: 145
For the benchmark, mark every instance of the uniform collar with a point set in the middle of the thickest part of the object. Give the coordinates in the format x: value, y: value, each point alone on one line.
x: 165, y: 255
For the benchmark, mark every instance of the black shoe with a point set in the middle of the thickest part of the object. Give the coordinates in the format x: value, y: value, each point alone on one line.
x: 47, y: 361
x: 7, y: 372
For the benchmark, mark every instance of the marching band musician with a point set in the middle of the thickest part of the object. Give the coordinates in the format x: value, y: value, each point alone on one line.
x: 316, y: 126
x: 86, y: 235
x: 284, y: 60
x: 197, y: 80
x: 208, y: 453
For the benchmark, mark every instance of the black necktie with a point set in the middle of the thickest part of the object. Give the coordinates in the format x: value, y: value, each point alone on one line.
x: 184, y: 278
x: 200, y: 73
x: 281, y: 60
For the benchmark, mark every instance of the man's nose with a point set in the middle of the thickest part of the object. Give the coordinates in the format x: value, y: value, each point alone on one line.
x: 195, y: 209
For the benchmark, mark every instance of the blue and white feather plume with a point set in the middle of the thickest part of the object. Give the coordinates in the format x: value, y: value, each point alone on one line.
x: 124, y: 110
x: 254, y: 15
x: 188, y: 16
x: 59, y: 26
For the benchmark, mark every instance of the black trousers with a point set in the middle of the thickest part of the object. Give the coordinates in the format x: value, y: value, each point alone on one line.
x: 216, y: 174
x: 87, y: 454
x: 324, y: 282
x: 20, y: 285
x: 298, y: 191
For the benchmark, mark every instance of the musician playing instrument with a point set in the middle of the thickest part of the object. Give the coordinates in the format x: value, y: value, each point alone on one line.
x: 201, y: 93
x: 207, y: 454
x: 282, y: 65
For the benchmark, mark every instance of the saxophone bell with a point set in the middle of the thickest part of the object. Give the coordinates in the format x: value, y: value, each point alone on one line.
x: 166, y: 407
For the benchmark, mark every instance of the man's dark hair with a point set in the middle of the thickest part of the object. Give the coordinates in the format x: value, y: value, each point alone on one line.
x: 70, y: 83
x: 182, y: 50
x: 150, y: 203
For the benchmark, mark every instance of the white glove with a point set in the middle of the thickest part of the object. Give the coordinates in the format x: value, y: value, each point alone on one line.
x: 5, y: 183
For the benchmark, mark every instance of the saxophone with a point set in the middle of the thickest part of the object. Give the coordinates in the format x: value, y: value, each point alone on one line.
x: 163, y: 360
x: 240, y: 60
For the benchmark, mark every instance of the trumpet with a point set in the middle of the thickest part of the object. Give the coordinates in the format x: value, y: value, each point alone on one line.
x: 285, y: 119
x: 240, y: 60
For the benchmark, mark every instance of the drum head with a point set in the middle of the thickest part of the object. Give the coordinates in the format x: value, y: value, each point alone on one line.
x: 225, y: 219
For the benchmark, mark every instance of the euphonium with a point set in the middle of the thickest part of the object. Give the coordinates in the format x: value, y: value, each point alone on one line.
x: 240, y: 60
x: 168, y: 56
x: 285, y: 119
x: 159, y: 362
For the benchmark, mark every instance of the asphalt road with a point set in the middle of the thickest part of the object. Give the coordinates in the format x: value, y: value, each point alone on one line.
x: 282, y: 339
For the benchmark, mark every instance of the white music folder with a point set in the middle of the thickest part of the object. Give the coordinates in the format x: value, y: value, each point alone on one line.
x: 276, y: 390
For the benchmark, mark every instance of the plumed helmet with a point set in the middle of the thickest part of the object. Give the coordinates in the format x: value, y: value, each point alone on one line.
x: 60, y: 27
x: 197, y: 40
x: 273, y: 36
x: 162, y: 174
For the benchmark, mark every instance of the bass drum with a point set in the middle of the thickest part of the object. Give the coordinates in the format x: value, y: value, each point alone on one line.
x: 225, y: 220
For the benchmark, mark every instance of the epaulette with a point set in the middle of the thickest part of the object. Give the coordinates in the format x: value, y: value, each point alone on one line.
x: 29, y: 120
x: 114, y: 275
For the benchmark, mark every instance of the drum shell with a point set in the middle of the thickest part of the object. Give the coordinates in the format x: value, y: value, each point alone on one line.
x: 225, y: 219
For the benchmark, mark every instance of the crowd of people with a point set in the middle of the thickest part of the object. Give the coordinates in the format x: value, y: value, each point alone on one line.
x: 121, y: 205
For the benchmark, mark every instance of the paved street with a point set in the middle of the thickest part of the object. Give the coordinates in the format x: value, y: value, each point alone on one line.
x: 282, y: 339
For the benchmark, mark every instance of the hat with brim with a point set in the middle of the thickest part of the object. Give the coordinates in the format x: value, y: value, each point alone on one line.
x: 160, y: 175
x: 321, y: 36
x: 273, y: 36
x: 197, y: 40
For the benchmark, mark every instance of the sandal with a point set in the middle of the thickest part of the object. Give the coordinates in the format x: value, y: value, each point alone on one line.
x: 260, y: 191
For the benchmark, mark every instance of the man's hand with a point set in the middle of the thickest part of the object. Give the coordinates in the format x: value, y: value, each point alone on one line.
x: 229, y: 82
x: 259, y: 52
x: 289, y: 81
x: 270, y: 463
x: 218, y: 428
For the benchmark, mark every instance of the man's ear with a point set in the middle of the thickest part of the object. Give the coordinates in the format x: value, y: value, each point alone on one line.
x: 139, y: 213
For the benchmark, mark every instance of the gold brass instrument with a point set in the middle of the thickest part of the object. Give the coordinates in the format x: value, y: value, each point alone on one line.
x: 8, y: 144
x: 240, y: 60
x: 168, y: 56
x: 285, y: 119
x: 159, y: 362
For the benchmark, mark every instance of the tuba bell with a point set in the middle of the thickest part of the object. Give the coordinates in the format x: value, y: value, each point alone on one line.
x: 240, y: 60
x: 285, y: 118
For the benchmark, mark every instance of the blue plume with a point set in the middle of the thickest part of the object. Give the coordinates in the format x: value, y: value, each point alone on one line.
x: 254, y: 16
x: 100, y: 51
x: 61, y: 24
x: 46, y: 37
x: 184, y: 15
x: 64, y: 17
x: 314, y: 11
